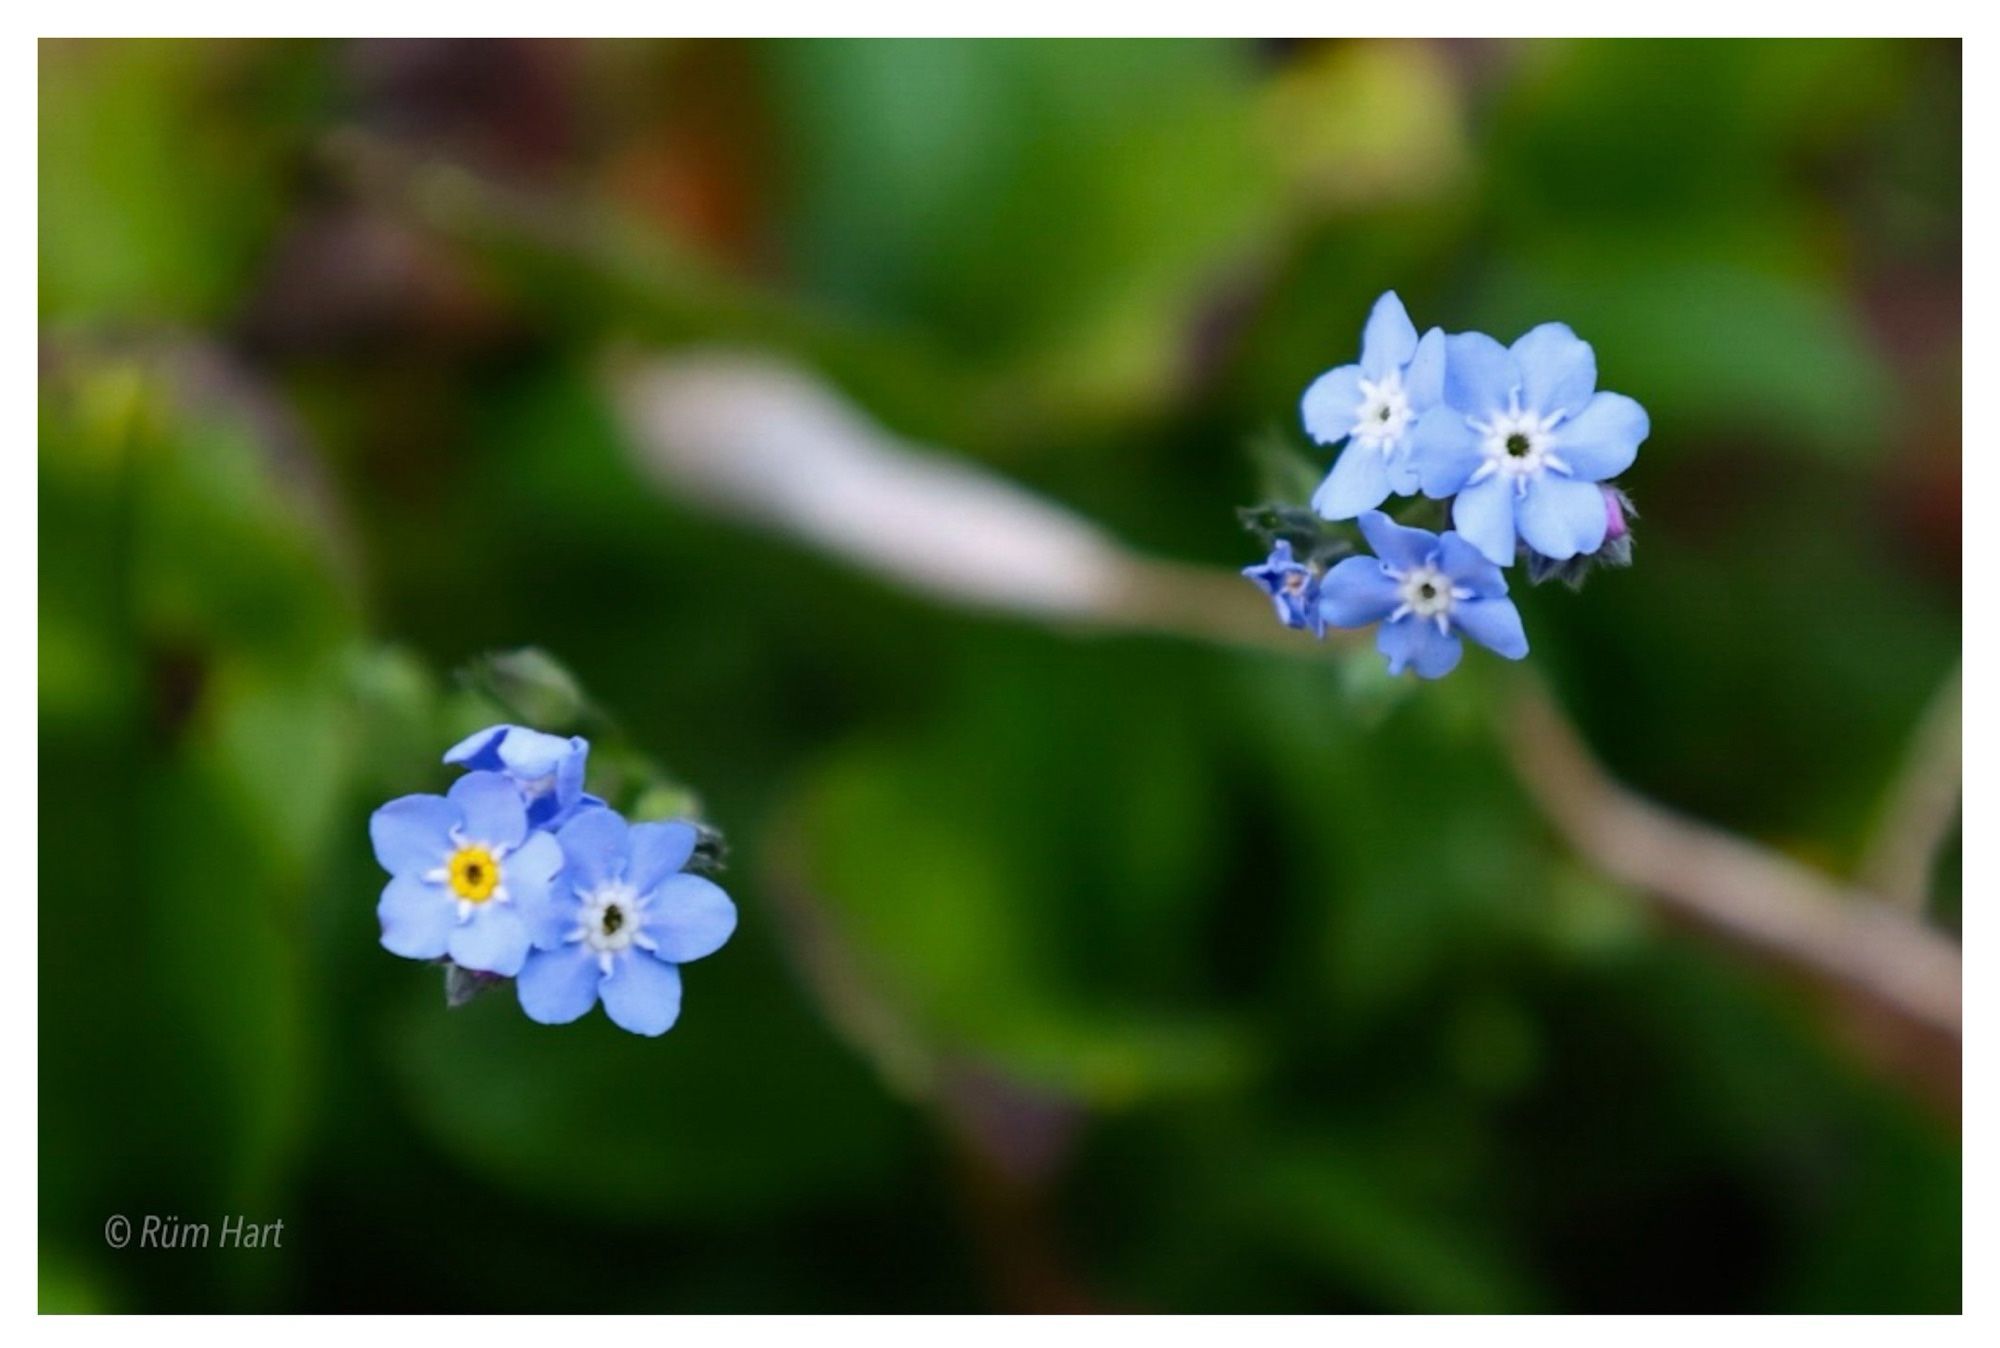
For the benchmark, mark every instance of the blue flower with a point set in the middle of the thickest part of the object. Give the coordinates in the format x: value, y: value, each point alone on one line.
x: 548, y: 768
x: 624, y: 918
x: 1522, y: 439
x: 1374, y: 406
x: 1293, y: 587
x: 1426, y: 591
x: 468, y: 877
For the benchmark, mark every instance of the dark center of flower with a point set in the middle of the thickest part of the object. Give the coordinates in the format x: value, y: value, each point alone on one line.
x: 1517, y: 445
x: 614, y: 918
x: 1382, y: 415
x: 1427, y: 590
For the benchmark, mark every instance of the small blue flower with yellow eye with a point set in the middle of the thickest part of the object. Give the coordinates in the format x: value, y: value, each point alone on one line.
x: 547, y: 768
x: 468, y: 879
x: 624, y: 918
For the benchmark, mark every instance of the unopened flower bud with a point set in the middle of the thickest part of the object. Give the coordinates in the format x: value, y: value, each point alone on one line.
x: 1616, y: 506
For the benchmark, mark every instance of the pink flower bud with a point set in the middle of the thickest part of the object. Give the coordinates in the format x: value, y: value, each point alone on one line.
x: 1614, y: 514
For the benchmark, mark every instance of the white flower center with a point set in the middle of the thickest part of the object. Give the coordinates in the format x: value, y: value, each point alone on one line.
x: 1426, y: 592
x: 1518, y: 445
x: 1383, y: 414
x: 611, y: 920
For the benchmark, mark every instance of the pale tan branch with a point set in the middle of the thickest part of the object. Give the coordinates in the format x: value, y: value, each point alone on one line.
x: 1746, y: 893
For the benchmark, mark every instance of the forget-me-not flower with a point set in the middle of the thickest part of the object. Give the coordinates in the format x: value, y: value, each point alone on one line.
x: 1374, y: 406
x: 624, y: 917
x: 1426, y: 591
x: 1293, y: 587
x: 468, y: 877
x: 548, y: 768
x: 1522, y: 439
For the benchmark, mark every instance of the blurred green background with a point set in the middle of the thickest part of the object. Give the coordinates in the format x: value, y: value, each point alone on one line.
x: 1074, y: 972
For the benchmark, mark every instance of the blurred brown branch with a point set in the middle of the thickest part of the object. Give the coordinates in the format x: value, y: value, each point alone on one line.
x: 768, y: 442
x: 1900, y: 977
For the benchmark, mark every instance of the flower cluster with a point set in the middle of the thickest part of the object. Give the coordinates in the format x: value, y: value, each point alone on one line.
x: 1517, y: 439
x: 517, y: 872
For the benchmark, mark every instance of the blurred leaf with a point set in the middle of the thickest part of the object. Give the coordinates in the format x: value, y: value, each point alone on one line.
x: 532, y: 686
x: 195, y: 815
x: 1339, y: 1203
x: 1365, y: 123
x: 154, y: 185
x: 1058, y: 206
x: 1611, y: 133
x: 1006, y: 917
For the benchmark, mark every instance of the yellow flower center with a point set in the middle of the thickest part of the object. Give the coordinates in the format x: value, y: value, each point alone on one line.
x: 473, y: 873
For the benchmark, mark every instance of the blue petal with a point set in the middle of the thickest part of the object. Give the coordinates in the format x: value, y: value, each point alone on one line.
x: 1479, y: 374
x: 1416, y: 642
x: 641, y: 994
x: 494, y: 940
x: 1356, y: 593
x: 569, y: 770
x: 1423, y: 382
x: 1401, y: 471
x: 527, y: 872
x: 1359, y: 481
x: 1468, y: 566
x: 550, y: 923
x: 1484, y: 514
x: 535, y: 861
x: 490, y: 808
x: 1270, y: 573
x: 1558, y: 369
x: 530, y: 753
x: 412, y: 833
x: 584, y: 801
x: 480, y: 749
x: 1397, y: 544
x: 689, y: 917
x: 1267, y: 580
x: 1493, y: 623
x: 1389, y: 339
x: 417, y: 919
x: 1602, y: 440
x: 1444, y: 451
x: 594, y: 846
x: 1560, y: 517
x: 658, y: 850
x: 558, y: 986
x: 1332, y: 403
